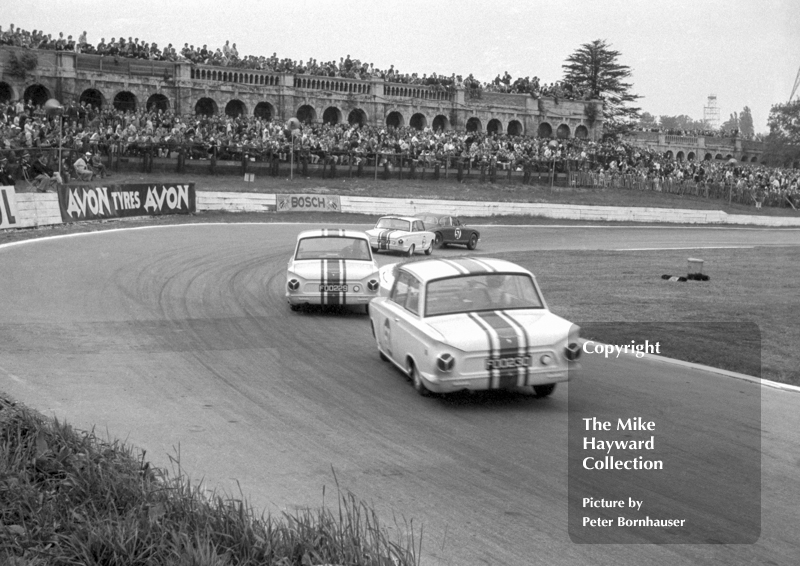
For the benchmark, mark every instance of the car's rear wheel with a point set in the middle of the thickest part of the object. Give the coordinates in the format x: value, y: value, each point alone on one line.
x: 473, y: 242
x: 439, y: 239
x: 544, y: 390
x: 429, y: 251
x: 411, y: 250
x: 416, y: 380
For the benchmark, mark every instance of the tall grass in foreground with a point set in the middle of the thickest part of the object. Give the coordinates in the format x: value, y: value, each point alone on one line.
x: 68, y: 498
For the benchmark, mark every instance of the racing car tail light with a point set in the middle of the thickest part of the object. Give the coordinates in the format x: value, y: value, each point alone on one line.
x: 546, y: 359
x: 445, y: 362
x: 572, y: 351
x: 373, y: 284
x: 293, y: 285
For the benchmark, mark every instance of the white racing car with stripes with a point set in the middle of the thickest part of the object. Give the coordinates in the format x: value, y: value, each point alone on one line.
x: 331, y: 267
x: 472, y: 323
x: 404, y: 234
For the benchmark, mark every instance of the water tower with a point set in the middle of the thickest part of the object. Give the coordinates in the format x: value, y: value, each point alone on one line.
x: 711, y: 113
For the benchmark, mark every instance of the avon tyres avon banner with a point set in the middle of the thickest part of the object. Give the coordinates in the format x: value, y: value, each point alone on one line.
x: 116, y: 201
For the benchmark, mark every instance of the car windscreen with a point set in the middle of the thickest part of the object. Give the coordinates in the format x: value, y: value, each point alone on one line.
x: 393, y: 224
x: 333, y: 248
x: 486, y: 291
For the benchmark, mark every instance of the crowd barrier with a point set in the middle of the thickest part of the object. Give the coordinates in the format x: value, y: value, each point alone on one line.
x: 385, y: 165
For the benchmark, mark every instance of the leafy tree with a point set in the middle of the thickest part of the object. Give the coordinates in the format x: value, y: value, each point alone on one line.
x: 682, y: 122
x: 593, y: 68
x: 732, y: 123
x: 782, y: 145
x: 746, y: 122
x: 647, y: 120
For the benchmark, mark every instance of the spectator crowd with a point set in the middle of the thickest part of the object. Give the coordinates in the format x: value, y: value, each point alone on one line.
x: 228, y: 56
x: 90, y: 133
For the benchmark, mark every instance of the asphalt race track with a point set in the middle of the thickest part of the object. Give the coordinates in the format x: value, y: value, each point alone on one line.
x: 177, y: 340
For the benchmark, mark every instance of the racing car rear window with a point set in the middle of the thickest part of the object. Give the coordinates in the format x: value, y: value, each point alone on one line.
x: 393, y: 224
x: 333, y: 248
x: 486, y: 291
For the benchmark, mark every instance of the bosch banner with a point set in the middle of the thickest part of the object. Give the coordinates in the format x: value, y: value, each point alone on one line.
x: 8, y: 207
x: 323, y: 203
x: 117, y: 201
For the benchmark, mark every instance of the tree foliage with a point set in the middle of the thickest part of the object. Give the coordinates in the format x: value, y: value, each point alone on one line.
x: 782, y: 145
x: 682, y: 122
x: 746, y: 122
x: 594, y: 68
x: 732, y: 123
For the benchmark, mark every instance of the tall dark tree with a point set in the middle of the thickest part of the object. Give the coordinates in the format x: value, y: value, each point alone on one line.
x: 594, y: 69
x: 732, y: 124
x: 782, y: 145
x: 746, y: 122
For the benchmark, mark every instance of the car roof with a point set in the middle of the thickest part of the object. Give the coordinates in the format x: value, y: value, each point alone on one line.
x: 428, y: 269
x: 332, y: 233
x: 434, y: 215
x: 408, y: 218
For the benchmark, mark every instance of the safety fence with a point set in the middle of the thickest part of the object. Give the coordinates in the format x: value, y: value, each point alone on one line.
x: 284, y: 161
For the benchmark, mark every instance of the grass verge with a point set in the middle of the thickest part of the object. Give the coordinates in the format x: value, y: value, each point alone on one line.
x: 68, y: 498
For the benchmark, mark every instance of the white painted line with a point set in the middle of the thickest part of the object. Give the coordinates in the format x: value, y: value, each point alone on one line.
x: 686, y: 248
x: 709, y: 369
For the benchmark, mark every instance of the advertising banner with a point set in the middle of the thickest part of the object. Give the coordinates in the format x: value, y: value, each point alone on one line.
x: 8, y: 207
x: 318, y: 203
x: 118, y: 201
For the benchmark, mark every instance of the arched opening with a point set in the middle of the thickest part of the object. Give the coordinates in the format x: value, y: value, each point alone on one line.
x: 306, y: 114
x: 562, y: 132
x: 332, y: 115
x: 708, y: 157
x: 418, y: 121
x: 357, y: 117
x: 235, y: 108
x: 545, y: 130
x: 473, y: 125
x: 92, y: 97
x: 36, y: 94
x: 717, y: 156
x: 125, y: 101
x: 668, y: 154
x: 690, y: 156
x: 729, y: 156
x: 205, y: 107
x: 582, y: 132
x: 679, y: 156
x: 744, y: 159
x: 264, y: 111
x: 754, y: 159
x: 6, y: 93
x: 394, y: 120
x: 158, y: 102
x: 494, y: 126
x: 440, y: 122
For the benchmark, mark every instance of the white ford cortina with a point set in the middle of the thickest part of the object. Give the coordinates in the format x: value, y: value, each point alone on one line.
x: 472, y: 323
x: 331, y: 267
x: 403, y: 234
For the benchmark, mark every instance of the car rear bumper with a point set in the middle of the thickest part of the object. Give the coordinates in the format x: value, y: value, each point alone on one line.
x: 450, y: 384
x: 334, y: 299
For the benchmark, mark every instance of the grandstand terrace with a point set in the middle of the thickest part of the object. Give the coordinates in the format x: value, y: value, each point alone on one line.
x: 188, y: 88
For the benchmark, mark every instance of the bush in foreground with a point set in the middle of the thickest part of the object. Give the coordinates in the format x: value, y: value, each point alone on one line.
x: 68, y: 498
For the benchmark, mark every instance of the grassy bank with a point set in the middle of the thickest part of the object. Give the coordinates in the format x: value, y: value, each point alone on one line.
x: 66, y: 497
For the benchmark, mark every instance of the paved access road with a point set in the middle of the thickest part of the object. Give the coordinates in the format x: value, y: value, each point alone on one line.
x: 177, y: 340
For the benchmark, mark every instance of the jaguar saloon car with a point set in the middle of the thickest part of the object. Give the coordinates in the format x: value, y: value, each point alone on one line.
x: 331, y: 267
x: 404, y: 234
x: 449, y: 230
x: 472, y: 324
